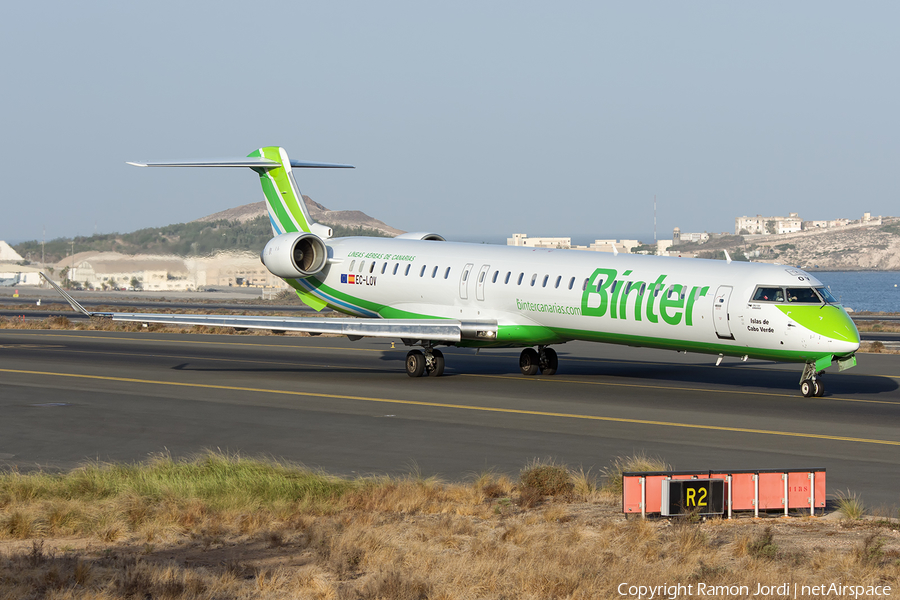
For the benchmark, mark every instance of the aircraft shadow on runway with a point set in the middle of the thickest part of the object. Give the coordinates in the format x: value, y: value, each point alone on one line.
x: 753, y: 375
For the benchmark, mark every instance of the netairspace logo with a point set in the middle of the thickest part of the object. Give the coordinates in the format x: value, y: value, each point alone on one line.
x: 786, y: 590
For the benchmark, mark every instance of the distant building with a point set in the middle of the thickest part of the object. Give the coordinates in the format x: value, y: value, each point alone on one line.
x: 760, y: 225
x: 565, y: 243
x: 684, y: 238
x: 622, y: 246
x: 522, y: 239
x: 104, y: 270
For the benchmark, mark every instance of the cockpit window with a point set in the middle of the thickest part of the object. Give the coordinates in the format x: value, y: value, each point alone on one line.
x: 768, y: 294
x: 803, y: 296
x: 826, y: 295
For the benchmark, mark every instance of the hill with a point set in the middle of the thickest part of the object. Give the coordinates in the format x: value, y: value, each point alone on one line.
x: 242, y: 229
x: 343, y: 219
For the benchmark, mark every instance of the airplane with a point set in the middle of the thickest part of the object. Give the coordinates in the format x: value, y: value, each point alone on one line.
x: 429, y: 292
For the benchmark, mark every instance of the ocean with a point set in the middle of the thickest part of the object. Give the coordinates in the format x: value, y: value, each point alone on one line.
x: 876, y: 291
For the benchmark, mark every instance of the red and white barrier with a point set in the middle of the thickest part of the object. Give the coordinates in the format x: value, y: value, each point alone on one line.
x: 745, y: 490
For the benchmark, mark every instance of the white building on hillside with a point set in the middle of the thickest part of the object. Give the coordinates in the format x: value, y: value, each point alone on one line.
x: 522, y: 239
x: 683, y: 238
x: 565, y: 243
x: 760, y: 225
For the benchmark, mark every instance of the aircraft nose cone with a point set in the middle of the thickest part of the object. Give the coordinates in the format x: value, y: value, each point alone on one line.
x: 829, y: 321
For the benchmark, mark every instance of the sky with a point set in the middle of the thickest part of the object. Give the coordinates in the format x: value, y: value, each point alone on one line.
x: 474, y: 120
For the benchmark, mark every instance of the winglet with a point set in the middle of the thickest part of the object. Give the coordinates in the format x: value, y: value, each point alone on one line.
x: 72, y: 301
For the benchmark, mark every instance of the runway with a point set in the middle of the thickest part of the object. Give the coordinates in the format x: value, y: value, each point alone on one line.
x: 349, y: 408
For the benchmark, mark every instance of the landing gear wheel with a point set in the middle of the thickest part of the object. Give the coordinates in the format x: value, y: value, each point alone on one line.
x: 549, y: 361
x: 435, y: 366
x: 808, y: 388
x: 820, y: 388
x: 529, y: 361
x: 415, y: 363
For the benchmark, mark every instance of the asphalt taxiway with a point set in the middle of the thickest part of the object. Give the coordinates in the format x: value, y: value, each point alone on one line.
x: 349, y: 408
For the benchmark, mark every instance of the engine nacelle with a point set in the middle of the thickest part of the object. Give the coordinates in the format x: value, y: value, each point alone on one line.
x: 292, y: 255
x: 421, y: 235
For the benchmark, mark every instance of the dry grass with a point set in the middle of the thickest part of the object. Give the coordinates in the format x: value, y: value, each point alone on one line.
x: 227, y: 527
x: 626, y: 464
x: 877, y: 347
x: 878, y: 326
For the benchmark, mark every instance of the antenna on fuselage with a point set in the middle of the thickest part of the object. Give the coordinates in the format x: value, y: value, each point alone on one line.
x: 727, y: 257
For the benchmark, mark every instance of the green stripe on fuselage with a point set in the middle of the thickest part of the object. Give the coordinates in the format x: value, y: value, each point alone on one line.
x: 311, y: 300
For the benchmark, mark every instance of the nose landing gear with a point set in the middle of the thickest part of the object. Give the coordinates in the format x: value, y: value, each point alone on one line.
x: 811, y: 385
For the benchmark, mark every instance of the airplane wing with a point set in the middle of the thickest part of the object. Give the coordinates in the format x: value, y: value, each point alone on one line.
x: 437, y: 330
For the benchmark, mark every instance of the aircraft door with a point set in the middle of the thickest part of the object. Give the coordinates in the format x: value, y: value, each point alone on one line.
x: 464, y: 282
x: 479, y: 285
x: 720, y: 313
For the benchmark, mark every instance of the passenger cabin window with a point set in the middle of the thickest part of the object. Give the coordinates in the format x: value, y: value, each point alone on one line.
x: 508, y: 273
x: 571, y: 283
x: 406, y: 272
x: 352, y: 264
x: 383, y: 268
x: 521, y: 275
x: 396, y: 266
x: 544, y: 284
x: 599, y: 284
x: 434, y: 273
x: 558, y: 279
x: 372, y: 268
x: 494, y: 278
x: 447, y: 273
x: 422, y: 272
x: 362, y: 266
x: 584, y: 285
x: 533, y: 279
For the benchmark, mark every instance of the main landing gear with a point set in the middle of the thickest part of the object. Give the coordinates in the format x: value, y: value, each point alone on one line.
x: 543, y: 359
x: 811, y: 385
x: 430, y: 362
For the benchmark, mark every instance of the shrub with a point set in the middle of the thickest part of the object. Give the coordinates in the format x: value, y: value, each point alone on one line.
x: 634, y: 463
x: 850, y: 505
x: 547, y: 478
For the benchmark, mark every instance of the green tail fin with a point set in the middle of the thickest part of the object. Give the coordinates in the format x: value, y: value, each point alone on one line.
x: 287, y: 211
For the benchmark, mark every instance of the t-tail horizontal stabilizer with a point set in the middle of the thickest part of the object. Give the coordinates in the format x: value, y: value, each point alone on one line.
x: 287, y: 210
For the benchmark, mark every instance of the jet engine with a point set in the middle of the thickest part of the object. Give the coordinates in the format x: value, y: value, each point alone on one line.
x: 292, y: 255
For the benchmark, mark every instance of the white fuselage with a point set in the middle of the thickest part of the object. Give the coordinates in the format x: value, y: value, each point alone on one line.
x: 539, y: 295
